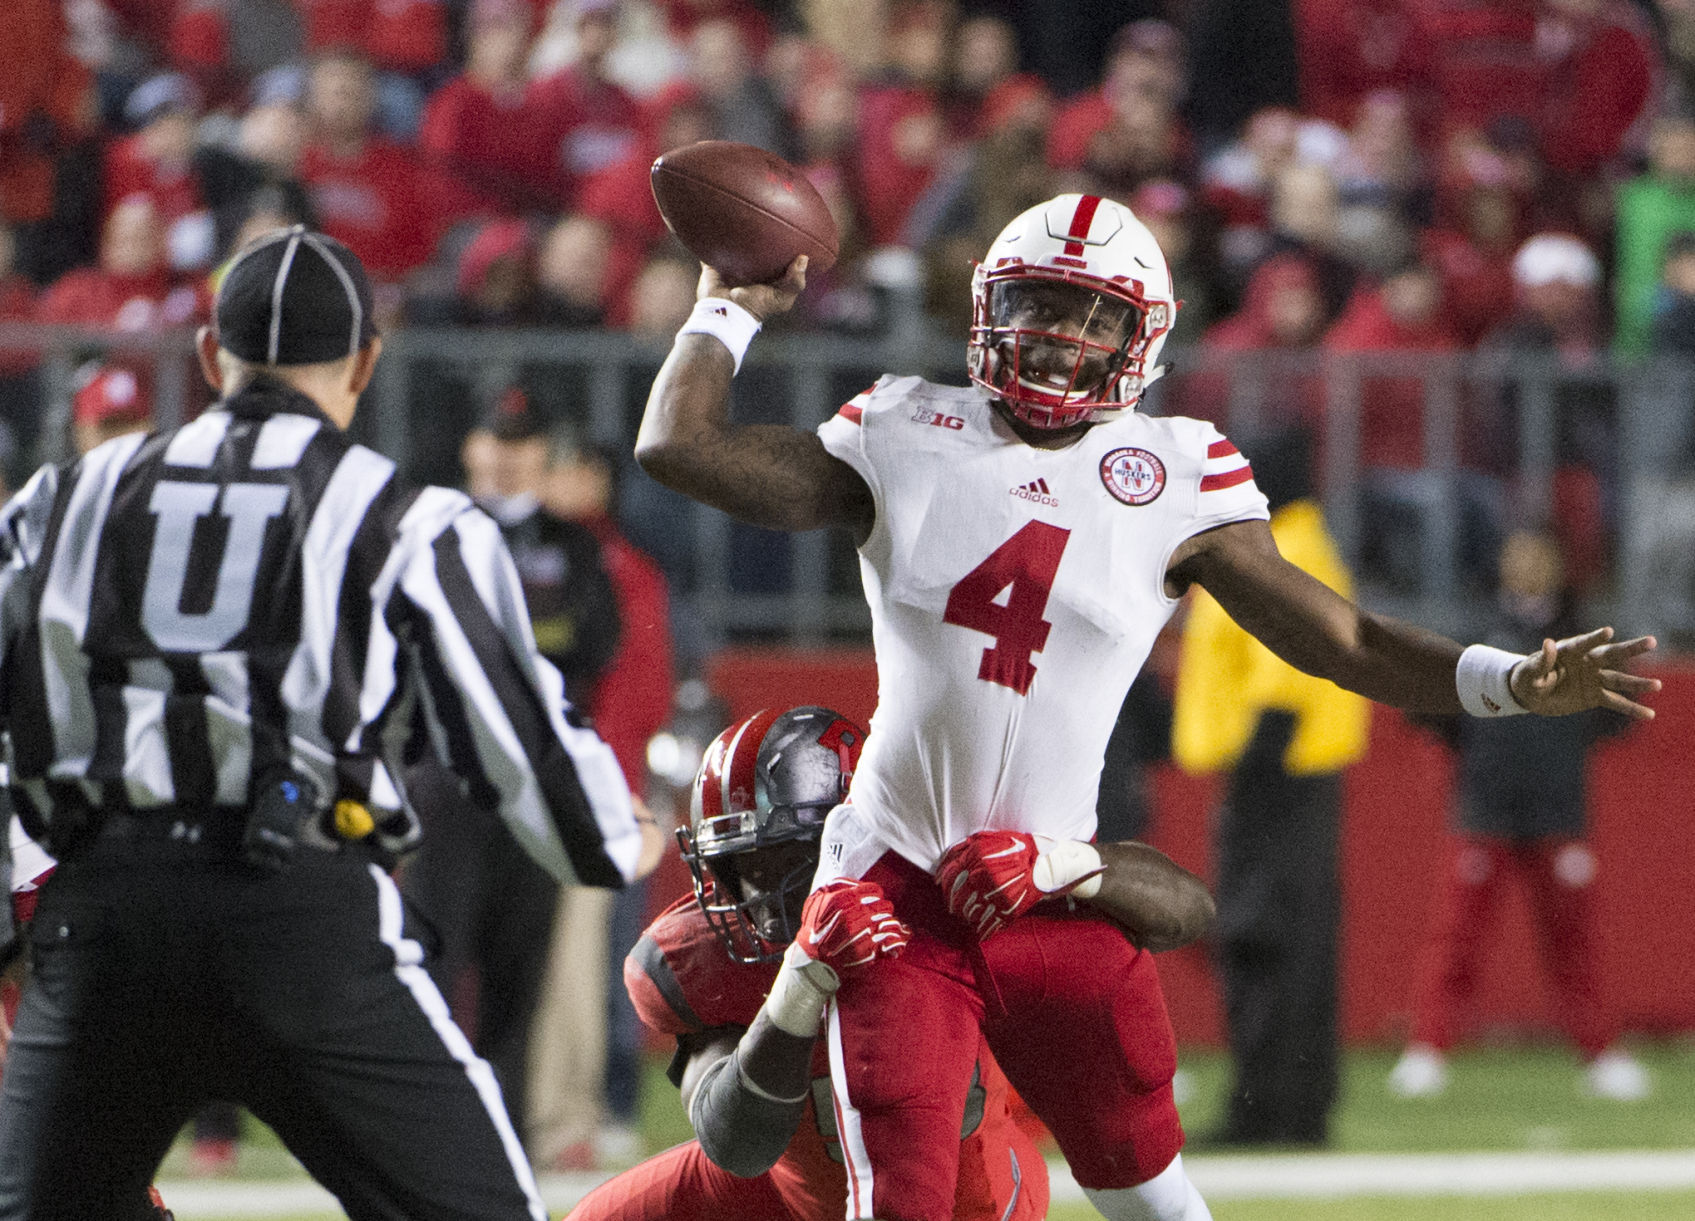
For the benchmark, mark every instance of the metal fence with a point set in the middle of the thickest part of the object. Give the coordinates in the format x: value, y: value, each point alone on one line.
x: 1499, y: 442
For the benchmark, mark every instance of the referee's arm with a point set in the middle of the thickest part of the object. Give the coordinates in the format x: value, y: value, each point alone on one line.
x: 501, y: 707
x: 23, y: 534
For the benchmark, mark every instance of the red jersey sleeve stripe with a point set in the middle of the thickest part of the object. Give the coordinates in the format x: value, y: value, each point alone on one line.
x: 1221, y: 449
x: 853, y: 413
x: 1229, y: 479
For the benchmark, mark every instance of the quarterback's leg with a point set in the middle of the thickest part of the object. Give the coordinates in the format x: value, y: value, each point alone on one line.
x: 1168, y: 1196
x: 681, y: 1184
x: 1078, y: 1023
x: 903, y: 1046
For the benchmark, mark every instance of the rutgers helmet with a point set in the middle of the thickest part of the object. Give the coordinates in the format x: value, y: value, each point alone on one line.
x: 1070, y: 308
x: 768, y: 779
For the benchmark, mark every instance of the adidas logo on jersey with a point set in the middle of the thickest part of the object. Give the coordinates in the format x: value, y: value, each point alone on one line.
x: 1036, y: 490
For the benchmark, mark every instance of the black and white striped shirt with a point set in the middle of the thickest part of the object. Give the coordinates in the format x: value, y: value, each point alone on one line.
x: 181, y: 611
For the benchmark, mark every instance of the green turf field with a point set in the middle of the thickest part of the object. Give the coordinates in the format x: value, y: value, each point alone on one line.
x: 1504, y: 1100
x: 1671, y: 1206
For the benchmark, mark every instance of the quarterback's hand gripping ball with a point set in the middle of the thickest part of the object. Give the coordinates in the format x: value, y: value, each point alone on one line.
x: 991, y: 877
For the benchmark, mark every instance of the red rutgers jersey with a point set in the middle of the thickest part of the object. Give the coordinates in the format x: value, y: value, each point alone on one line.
x: 683, y: 982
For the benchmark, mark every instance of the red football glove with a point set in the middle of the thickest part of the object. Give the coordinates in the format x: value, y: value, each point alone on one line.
x: 850, y: 924
x: 991, y: 877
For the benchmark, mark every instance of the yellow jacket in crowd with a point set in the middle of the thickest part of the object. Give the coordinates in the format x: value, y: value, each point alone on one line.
x: 1226, y: 678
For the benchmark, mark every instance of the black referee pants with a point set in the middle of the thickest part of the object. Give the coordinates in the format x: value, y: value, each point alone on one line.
x: 165, y: 978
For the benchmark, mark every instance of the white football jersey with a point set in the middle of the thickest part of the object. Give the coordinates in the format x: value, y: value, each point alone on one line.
x: 1015, y: 592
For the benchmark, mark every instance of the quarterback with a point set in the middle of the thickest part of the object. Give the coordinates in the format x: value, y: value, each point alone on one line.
x: 1022, y: 540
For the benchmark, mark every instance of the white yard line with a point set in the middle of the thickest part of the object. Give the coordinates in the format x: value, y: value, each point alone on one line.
x: 1289, y: 1176
x: 1308, y: 1176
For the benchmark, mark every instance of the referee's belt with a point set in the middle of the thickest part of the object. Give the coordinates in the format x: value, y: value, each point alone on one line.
x: 213, y: 831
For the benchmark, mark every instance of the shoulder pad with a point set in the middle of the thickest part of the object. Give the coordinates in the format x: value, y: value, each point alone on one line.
x: 682, y: 980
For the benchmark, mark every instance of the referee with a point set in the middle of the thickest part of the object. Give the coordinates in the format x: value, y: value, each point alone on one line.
x: 211, y: 640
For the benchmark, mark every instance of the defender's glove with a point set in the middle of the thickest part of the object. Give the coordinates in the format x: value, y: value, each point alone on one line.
x: 991, y: 877
x: 844, y: 926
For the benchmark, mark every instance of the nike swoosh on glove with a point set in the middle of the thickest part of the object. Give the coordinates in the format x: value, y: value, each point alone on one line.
x: 991, y: 877
x: 849, y: 924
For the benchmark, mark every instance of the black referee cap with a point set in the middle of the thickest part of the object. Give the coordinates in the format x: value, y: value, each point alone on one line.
x: 294, y: 297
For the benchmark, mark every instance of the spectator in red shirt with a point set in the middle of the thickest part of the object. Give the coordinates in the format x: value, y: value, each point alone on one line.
x: 1479, y: 221
x: 406, y: 36
x: 368, y: 192
x: 985, y: 80
x: 683, y: 17
x: 44, y: 109
x: 1127, y: 130
x: 1483, y: 63
x: 589, y: 123
x: 1403, y: 314
x: 157, y: 160
x: 132, y: 288
x: 1601, y: 77
x: 494, y: 285
x: 480, y: 131
x: 1283, y: 315
x: 903, y: 136
x: 1347, y: 49
x: 1396, y: 411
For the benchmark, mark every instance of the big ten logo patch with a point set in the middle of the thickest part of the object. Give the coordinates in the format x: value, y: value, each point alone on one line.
x: 926, y: 415
x: 1133, y: 476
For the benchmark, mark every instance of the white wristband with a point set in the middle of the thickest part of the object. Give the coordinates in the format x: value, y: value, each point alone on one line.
x: 725, y: 321
x: 1062, y: 864
x: 799, y: 993
x: 1483, y: 680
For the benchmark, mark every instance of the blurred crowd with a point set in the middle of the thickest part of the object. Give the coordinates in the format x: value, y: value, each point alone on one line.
x: 1327, y: 176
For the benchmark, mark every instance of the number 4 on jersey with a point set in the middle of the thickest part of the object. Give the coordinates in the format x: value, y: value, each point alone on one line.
x: 1027, y: 562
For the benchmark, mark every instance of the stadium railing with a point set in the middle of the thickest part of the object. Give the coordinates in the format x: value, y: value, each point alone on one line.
x: 1608, y: 448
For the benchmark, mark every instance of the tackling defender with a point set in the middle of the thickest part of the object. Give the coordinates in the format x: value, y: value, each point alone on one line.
x: 1007, y: 628
x: 754, y: 1077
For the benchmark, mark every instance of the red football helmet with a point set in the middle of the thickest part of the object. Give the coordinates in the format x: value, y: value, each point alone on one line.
x: 1070, y: 308
x: 768, y: 779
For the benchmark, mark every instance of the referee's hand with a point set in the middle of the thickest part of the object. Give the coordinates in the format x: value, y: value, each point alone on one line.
x: 654, y: 838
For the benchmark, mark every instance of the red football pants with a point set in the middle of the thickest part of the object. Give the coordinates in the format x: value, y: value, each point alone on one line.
x: 1558, y: 875
x: 1072, y: 1011
x: 681, y: 1185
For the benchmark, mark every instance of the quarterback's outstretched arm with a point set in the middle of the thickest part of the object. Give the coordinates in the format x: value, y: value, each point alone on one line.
x: 992, y: 877
x: 1317, y: 630
x: 1160, y: 904
x: 769, y: 475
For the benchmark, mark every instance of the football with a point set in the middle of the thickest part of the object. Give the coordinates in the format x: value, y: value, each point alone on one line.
x: 742, y: 210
